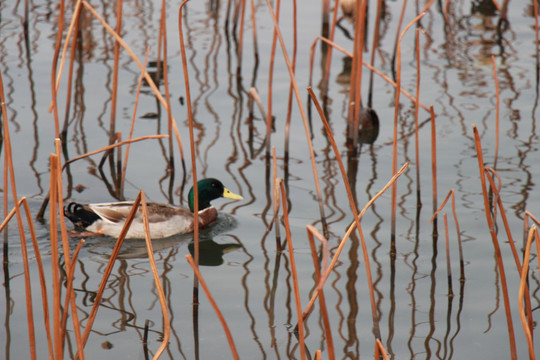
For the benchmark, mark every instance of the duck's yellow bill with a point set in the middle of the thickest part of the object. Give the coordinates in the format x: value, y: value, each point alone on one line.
x: 230, y: 195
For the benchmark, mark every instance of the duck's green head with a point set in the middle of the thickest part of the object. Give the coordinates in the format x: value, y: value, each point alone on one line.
x: 210, y: 189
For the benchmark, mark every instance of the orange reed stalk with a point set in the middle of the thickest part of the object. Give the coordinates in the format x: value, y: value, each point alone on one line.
x: 192, y: 147
x: 114, y: 95
x: 71, y: 298
x: 271, y: 81
x: 326, y: 74
x: 214, y: 305
x: 157, y: 283
x: 313, y: 232
x: 497, y: 201
x: 371, y: 68
x: 139, y: 84
x: 67, y: 258
x: 254, y: 25
x: 8, y: 168
x: 458, y: 232
x: 379, y: 349
x: 355, y: 92
x: 433, y: 158
x: 352, y: 204
x: 41, y: 273
x: 448, y: 265
x: 293, y: 271
x: 497, y: 95
x: 59, y: 33
x: 275, y: 198
x: 28, y: 289
x: 147, y: 77
x: 72, y: 26
x: 109, y: 147
x: 75, y: 24
x: 289, y: 102
x: 533, y: 232
x: 55, y: 272
x: 108, y: 270
x: 255, y: 96
x: 491, y: 227
x: 351, y: 228
x: 374, y: 46
x: 170, y: 119
x: 496, y: 190
x: 303, y: 115
x: 396, y: 113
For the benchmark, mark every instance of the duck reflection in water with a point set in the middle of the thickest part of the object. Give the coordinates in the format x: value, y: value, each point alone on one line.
x: 211, y: 253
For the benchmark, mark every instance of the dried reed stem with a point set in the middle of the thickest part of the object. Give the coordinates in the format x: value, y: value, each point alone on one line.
x: 73, y: 24
x: 303, y: 115
x: 355, y: 89
x: 379, y: 349
x: 109, y: 147
x: 293, y: 271
x: 289, y: 102
x: 313, y: 232
x: 70, y: 295
x: 496, y: 190
x: 28, y: 290
x: 374, y: 45
x: 396, y: 113
x: 491, y: 226
x: 533, y: 232
x: 55, y: 272
x: 170, y: 120
x: 458, y: 232
x: 371, y: 68
x: 255, y: 96
x: 114, y: 95
x: 354, y: 210
x: 497, y: 201
x: 8, y: 168
x: 448, y: 264
x: 214, y: 305
x: 157, y: 283
x: 59, y: 33
x: 433, y: 159
x: 108, y: 269
x: 326, y: 74
x: 351, y: 228
x: 254, y: 24
x: 271, y: 81
x: 42, y: 280
x: 132, y: 127
x: 192, y: 148
x: 147, y: 77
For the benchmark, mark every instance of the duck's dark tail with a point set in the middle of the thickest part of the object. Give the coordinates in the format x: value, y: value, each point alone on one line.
x: 80, y: 215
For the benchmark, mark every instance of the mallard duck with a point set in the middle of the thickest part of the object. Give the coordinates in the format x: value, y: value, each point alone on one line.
x: 165, y: 220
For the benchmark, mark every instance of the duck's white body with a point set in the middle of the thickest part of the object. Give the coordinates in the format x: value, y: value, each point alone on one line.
x: 164, y: 220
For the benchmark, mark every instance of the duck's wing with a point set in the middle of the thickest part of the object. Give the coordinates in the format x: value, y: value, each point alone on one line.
x: 119, y: 212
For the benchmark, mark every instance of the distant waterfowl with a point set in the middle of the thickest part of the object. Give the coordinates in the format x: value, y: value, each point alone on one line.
x: 164, y: 220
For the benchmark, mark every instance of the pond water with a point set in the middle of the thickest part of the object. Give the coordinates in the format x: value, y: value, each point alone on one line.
x: 249, y: 279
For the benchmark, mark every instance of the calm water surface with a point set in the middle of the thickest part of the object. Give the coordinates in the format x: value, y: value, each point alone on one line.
x: 250, y: 280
